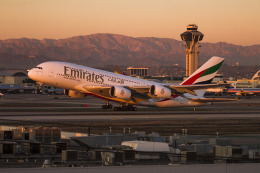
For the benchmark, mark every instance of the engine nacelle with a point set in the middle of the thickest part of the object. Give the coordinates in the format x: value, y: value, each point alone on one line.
x: 75, y: 94
x: 120, y: 92
x: 160, y: 91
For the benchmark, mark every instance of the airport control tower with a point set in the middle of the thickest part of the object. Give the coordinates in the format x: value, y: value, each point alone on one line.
x: 192, y: 38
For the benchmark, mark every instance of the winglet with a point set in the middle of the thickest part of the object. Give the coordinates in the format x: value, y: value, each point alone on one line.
x: 206, y: 73
x: 256, y: 76
x: 117, y: 70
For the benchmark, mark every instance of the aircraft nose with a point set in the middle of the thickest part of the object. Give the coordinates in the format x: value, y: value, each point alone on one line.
x: 31, y: 74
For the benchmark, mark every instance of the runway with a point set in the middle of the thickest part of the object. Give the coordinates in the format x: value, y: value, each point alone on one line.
x: 126, y: 116
x: 76, y: 115
x: 30, y: 107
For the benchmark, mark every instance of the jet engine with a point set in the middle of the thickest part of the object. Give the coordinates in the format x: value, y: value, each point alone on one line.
x: 160, y: 91
x: 120, y: 92
x: 74, y: 94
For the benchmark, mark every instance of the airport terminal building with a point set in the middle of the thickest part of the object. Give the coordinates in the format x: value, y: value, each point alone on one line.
x: 15, y: 76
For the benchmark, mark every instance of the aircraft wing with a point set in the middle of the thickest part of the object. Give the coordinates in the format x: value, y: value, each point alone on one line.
x: 180, y: 89
x: 138, y: 93
x: 97, y: 90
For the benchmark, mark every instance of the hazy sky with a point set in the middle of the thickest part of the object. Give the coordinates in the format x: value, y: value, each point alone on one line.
x: 232, y: 21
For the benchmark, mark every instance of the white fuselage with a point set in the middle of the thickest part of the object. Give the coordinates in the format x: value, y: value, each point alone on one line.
x: 70, y: 76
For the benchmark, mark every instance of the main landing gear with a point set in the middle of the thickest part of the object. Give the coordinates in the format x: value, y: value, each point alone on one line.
x: 108, y: 106
x: 125, y: 108
x: 121, y: 108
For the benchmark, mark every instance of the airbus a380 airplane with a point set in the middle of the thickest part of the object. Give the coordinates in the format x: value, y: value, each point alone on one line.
x: 126, y: 90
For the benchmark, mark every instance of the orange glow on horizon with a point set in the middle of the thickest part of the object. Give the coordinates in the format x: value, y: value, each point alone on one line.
x: 232, y: 21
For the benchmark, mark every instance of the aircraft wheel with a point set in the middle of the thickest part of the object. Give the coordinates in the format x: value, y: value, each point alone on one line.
x: 116, y: 108
x: 131, y: 108
x: 110, y: 106
x: 104, y: 106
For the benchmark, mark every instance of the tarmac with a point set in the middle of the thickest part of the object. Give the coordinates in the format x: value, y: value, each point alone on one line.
x: 242, y: 116
x: 126, y: 116
x: 52, y: 107
x: 213, y: 168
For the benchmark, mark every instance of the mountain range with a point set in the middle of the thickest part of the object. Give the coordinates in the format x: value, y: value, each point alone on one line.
x: 103, y: 49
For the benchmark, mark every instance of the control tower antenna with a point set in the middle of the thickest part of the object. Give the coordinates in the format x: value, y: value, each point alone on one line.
x: 192, y: 38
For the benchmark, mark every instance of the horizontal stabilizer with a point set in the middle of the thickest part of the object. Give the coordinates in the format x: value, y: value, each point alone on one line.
x: 212, y: 99
x: 178, y: 89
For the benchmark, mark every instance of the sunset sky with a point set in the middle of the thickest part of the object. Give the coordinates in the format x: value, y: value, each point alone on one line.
x: 232, y: 21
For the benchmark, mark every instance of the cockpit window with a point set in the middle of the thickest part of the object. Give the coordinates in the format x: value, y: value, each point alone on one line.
x: 38, y: 67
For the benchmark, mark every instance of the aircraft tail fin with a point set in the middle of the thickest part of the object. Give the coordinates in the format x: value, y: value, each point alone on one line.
x: 206, y: 73
x: 117, y: 70
x: 257, y: 75
x: 234, y: 84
